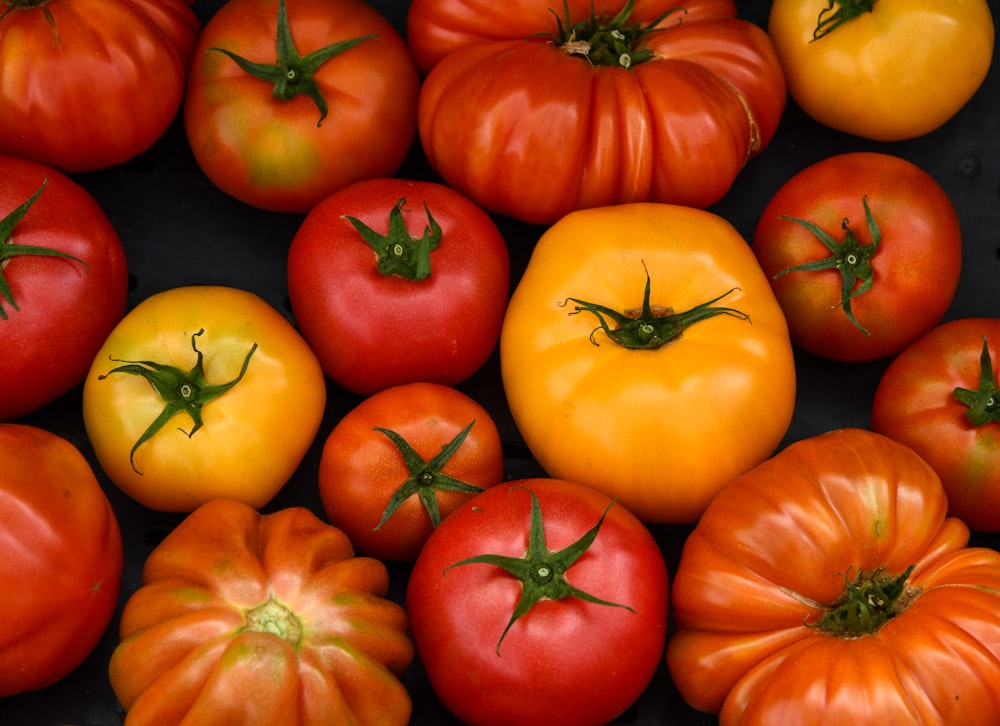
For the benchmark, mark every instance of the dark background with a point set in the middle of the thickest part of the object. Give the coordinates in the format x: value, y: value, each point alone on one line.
x: 178, y: 229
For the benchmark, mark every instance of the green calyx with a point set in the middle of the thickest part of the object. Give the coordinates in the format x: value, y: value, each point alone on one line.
x: 426, y: 477
x: 180, y: 391
x: 9, y: 249
x: 651, y: 327
x: 542, y: 572
x: 398, y: 253
x: 838, y: 12
x: 983, y: 403
x: 867, y: 603
x: 292, y: 74
x: 850, y: 257
x: 614, y: 42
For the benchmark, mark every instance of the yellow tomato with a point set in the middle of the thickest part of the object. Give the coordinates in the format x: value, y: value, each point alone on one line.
x: 886, y: 70
x: 662, y: 428
x: 203, y: 392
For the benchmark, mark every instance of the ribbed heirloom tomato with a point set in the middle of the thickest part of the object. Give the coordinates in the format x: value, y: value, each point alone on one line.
x: 644, y: 354
x: 534, y: 109
x: 827, y: 586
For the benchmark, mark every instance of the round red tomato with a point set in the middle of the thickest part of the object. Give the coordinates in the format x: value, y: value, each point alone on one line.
x: 395, y: 281
x: 401, y: 461
x: 60, y: 558
x: 542, y: 602
x: 863, y: 251
x: 63, y: 284
x: 536, y: 109
x: 88, y: 84
x: 337, y: 106
x: 940, y: 397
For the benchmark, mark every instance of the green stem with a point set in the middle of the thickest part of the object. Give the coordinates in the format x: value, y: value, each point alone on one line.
x: 846, y: 10
x: 984, y: 402
x: 398, y: 253
x: 867, y: 603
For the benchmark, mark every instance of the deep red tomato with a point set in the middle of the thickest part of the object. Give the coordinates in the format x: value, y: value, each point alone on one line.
x: 542, y: 602
x: 337, y: 106
x: 401, y: 461
x: 88, y: 84
x: 60, y: 558
x: 63, y: 284
x: 608, y: 101
x: 827, y: 586
x: 863, y: 251
x: 395, y: 281
x: 940, y: 398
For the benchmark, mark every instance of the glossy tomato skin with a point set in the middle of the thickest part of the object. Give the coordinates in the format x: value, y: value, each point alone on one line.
x: 60, y: 558
x: 529, y: 131
x: 65, y: 307
x: 254, y: 435
x: 274, y: 154
x: 771, y: 556
x: 565, y: 661
x: 372, y: 331
x: 57, y: 112
x: 915, y: 269
x: 915, y: 404
x: 661, y: 430
x: 897, y: 71
x: 361, y: 469
x: 261, y: 619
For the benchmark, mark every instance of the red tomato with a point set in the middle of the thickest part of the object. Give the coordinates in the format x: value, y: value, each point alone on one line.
x: 403, y: 460
x: 607, y: 101
x: 395, y: 281
x: 88, y: 84
x: 60, y: 558
x: 338, y: 105
x: 863, y: 251
x: 63, y: 284
x: 542, y: 602
x: 940, y: 398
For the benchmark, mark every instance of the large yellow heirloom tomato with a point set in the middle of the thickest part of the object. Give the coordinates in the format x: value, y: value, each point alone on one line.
x: 203, y: 392
x: 644, y: 354
x: 886, y: 70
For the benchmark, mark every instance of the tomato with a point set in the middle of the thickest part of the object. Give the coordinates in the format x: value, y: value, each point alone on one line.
x: 828, y: 586
x: 542, y: 602
x: 63, y: 284
x: 670, y: 112
x: 202, y: 392
x: 864, y: 251
x: 60, y: 558
x: 882, y: 69
x: 337, y: 105
x: 401, y: 461
x: 939, y: 397
x: 88, y: 84
x: 395, y: 281
x: 261, y: 619
x: 643, y: 353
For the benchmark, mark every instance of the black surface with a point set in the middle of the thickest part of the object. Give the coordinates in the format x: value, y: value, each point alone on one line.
x: 178, y: 229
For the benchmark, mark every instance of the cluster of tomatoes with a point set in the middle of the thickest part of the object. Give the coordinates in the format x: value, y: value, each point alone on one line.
x: 456, y: 387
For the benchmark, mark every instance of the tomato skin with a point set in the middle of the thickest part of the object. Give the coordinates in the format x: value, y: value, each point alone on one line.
x: 528, y: 131
x: 915, y: 269
x: 66, y: 309
x: 914, y: 404
x: 254, y: 435
x: 897, y: 72
x: 361, y: 469
x: 271, y: 153
x: 773, y: 550
x: 54, y: 110
x: 60, y: 558
x: 564, y: 662
x: 192, y: 651
x: 440, y: 329
x: 647, y: 426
